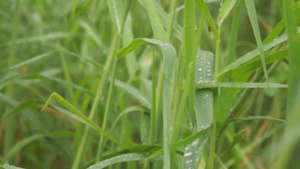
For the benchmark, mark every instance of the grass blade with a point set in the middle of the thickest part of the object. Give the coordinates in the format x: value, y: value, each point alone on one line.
x: 240, y: 85
x: 81, y: 115
x: 116, y: 11
x: 225, y: 9
x: 134, y: 93
x: 121, y: 158
x: 254, y: 23
x: 209, y: 20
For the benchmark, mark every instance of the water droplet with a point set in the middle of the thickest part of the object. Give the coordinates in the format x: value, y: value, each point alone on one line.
x: 199, y: 69
x: 188, y: 154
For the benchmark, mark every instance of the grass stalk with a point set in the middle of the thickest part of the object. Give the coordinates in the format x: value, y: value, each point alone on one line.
x: 9, y: 129
x: 107, y: 107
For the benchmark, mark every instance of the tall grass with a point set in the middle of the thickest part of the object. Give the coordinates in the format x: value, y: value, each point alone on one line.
x: 149, y: 84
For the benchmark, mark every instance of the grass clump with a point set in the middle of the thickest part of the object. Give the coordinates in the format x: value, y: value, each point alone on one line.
x: 149, y: 84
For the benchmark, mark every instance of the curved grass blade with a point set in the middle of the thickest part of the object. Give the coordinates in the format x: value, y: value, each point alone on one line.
x: 225, y: 9
x: 254, y: 23
x: 134, y: 93
x: 122, y: 158
x: 32, y: 138
x: 81, y: 115
x: 240, y: 85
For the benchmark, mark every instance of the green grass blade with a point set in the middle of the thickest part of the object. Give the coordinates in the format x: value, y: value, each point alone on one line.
x: 169, y: 61
x: 292, y: 116
x: 122, y: 158
x: 134, y: 93
x: 204, y: 97
x: 31, y: 60
x: 239, y: 85
x: 116, y: 10
x: 255, y: 118
x: 233, y: 35
x: 81, y: 115
x: 254, y: 23
x: 209, y: 20
x: 156, y: 24
x: 225, y: 9
x: 193, y: 152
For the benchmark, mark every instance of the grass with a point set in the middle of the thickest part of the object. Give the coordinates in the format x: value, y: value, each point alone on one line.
x: 149, y: 84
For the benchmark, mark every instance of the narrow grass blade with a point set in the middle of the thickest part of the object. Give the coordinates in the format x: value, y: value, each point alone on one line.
x: 255, y: 118
x: 116, y: 10
x: 240, y: 85
x: 81, y: 115
x: 254, y: 23
x: 31, y: 60
x: 225, y: 9
x: 209, y: 20
x: 41, y: 38
x: 134, y: 93
x: 122, y: 158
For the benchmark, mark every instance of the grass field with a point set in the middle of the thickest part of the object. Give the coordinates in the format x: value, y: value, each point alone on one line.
x: 140, y: 84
